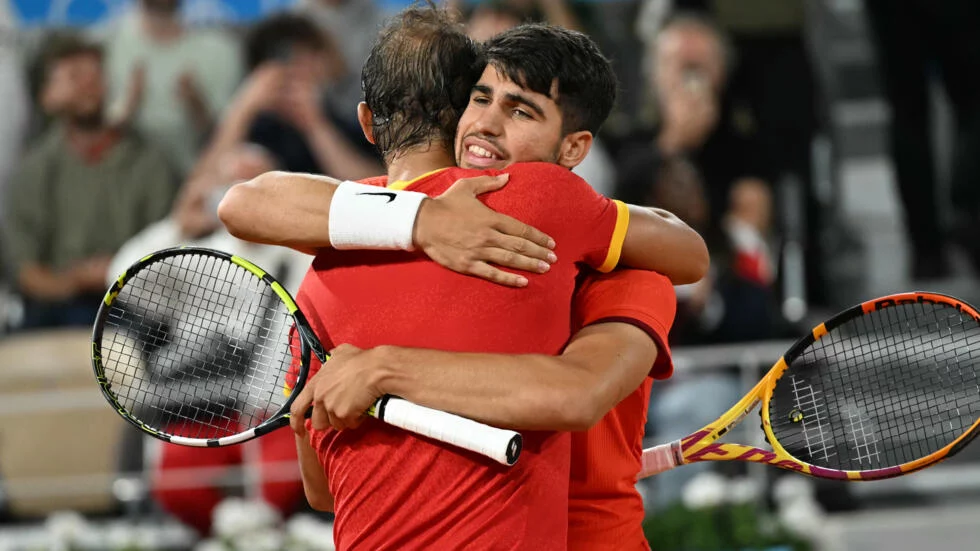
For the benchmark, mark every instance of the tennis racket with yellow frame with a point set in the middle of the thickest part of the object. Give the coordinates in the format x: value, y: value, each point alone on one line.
x: 196, y: 346
x: 885, y: 388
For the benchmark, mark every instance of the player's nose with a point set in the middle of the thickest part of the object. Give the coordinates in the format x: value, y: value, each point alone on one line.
x: 489, y: 123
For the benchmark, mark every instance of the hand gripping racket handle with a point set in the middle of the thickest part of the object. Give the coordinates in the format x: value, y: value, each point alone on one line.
x: 660, y: 458
x: 503, y: 446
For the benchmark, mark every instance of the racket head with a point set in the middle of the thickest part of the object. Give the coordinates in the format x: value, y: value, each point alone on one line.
x: 195, y: 346
x: 882, y: 389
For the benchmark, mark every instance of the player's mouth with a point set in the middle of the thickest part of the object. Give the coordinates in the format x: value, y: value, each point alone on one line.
x: 479, y: 153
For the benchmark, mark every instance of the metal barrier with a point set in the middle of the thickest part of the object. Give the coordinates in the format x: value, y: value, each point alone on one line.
x: 752, y: 359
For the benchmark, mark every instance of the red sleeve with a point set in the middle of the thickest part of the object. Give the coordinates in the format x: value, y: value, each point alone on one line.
x: 641, y: 298
x: 586, y: 225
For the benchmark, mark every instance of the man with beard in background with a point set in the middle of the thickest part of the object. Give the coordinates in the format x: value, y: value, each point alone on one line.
x: 79, y: 193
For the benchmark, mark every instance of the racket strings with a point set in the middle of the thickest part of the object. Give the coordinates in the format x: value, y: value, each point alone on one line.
x: 198, y: 347
x: 882, y: 389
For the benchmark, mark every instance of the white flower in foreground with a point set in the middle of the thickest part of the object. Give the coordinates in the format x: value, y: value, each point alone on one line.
x: 260, y: 540
x: 119, y: 536
x: 66, y: 527
x: 803, y: 517
x: 791, y: 488
x: 234, y: 517
x: 744, y: 490
x: 210, y: 545
x: 311, y: 532
x: 705, y: 490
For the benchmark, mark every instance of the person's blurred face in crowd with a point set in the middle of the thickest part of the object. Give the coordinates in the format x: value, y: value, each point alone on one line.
x: 690, y: 56
x: 245, y: 162
x: 750, y: 201
x: 307, y: 62
x: 487, y: 22
x: 677, y: 187
x: 161, y: 7
x: 74, y: 88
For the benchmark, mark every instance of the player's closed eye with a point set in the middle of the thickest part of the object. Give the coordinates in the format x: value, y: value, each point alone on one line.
x: 522, y: 114
x: 480, y: 100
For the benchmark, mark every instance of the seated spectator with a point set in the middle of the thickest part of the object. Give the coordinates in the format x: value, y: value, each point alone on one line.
x: 79, y: 193
x: 168, y: 81
x: 687, y: 67
x: 353, y: 26
x: 279, y: 106
x: 736, y: 301
x: 194, y: 222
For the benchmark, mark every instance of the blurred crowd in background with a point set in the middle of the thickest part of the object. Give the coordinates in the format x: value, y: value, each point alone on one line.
x: 119, y: 138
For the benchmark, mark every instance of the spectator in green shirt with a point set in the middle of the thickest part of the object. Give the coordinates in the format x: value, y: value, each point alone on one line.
x: 79, y: 193
x: 170, y: 81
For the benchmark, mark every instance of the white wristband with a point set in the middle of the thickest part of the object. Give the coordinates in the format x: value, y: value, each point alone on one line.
x: 372, y: 217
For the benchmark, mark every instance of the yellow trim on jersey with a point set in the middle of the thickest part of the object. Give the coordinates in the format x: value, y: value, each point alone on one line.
x: 618, y: 237
x: 402, y: 184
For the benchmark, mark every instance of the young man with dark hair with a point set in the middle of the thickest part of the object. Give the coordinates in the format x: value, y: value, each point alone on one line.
x: 79, y: 193
x: 487, y: 506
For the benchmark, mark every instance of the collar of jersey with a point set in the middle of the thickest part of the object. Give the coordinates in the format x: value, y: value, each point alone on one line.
x: 403, y: 184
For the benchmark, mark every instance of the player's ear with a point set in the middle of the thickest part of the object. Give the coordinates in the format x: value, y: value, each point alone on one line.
x: 574, y: 147
x: 365, y: 117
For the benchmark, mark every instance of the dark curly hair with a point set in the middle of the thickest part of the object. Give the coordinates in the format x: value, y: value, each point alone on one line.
x: 417, y: 79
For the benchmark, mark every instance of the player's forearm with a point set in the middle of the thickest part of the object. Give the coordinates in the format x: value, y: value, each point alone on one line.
x: 314, y: 479
x: 601, y: 365
x: 528, y: 392
x: 659, y: 241
x: 281, y: 208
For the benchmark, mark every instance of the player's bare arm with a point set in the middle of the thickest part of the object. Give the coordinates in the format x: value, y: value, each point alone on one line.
x: 601, y: 365
x: 455, y: 229
x: 657, y: 240
x: 314, y: 479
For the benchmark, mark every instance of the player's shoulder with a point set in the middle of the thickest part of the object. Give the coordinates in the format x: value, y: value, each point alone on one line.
x: 626, y: 283
x: 549, y: 181
x: 551, y: 171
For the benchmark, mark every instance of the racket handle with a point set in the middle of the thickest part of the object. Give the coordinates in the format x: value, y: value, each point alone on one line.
x: 659, y: 459
x: 503, y: 446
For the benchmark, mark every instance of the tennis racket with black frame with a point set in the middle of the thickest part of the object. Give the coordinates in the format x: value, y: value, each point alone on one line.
x: 883, y: 389
x: 194, y: 346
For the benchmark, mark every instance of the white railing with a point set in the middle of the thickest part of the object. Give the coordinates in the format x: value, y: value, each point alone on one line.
x: 752, y: 359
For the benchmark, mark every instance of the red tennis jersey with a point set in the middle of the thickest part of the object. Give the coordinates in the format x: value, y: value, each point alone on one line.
x: 395, y: 490
x: 605, y: 512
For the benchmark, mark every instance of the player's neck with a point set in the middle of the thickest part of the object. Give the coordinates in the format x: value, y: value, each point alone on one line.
x: 419, y: 161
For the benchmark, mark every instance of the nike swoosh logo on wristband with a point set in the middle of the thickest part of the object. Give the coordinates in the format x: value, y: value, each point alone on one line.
x: 388, y: 194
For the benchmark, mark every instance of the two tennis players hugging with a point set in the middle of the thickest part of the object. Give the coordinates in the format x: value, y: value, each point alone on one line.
x: 552, y: 317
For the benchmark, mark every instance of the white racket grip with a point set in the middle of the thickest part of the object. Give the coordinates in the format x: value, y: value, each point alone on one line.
x: 659, y: 459
x: 503, y: 446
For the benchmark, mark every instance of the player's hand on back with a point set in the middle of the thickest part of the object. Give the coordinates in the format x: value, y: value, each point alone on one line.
x: 340, y: 393
x: 459, y: 232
